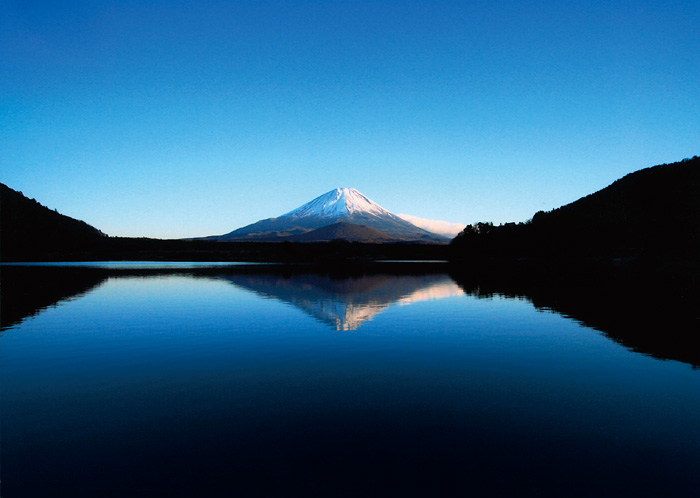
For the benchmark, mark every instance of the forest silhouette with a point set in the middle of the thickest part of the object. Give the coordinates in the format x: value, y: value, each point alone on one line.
x: 651, y: 212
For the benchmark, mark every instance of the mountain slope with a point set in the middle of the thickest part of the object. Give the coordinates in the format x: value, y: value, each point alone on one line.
x: 343, y: 231
x: 340, y: 205
x: 27, y: 228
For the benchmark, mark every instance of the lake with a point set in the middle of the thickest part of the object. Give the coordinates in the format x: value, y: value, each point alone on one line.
x: 247, y: 380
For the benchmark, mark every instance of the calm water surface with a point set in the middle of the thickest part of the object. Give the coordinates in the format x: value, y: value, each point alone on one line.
x: 247, y: 384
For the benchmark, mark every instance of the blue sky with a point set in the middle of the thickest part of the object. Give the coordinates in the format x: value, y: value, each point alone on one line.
x: 178, y: 118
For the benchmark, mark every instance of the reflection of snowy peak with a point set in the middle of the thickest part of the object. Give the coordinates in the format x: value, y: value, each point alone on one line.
x: 344, y: 205
x: 348, y: 303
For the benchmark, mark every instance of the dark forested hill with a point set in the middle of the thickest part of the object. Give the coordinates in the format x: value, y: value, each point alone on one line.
x: 343, y: 231
x: 27, y: 228
x: 652, y: 211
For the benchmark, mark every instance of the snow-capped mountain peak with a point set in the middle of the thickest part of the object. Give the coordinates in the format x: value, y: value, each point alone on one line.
x: 337, y: 203
x: 339, y: 207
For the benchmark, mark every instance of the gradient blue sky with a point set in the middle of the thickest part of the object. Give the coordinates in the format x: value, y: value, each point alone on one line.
x: 180, y: 118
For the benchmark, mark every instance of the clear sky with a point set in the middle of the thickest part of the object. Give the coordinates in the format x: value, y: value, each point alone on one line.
x: 193, y: 118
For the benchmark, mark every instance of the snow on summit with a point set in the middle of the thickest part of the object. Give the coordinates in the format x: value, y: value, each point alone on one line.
x: 341, y: 205
x: 337, y: 203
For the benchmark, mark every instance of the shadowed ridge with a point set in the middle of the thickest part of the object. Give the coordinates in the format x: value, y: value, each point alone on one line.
x: 29, y: 229
x: 654, y: 211
x: 343, y: 231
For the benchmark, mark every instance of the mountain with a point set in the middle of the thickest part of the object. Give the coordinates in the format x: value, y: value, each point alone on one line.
x: 342, y: 205
x: 654, y: 211
x: 343, y: 231
x: 28, y: 229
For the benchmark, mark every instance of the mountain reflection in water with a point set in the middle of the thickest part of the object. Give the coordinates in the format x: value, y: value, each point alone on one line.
x: 347, y: 303
x: 657, y: 317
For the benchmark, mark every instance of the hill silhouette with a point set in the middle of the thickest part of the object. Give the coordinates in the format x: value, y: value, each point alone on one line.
x: 28, y: 229
x: 654, y: 211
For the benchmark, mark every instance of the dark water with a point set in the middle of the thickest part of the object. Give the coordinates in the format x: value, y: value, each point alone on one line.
x: 224, y: 382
